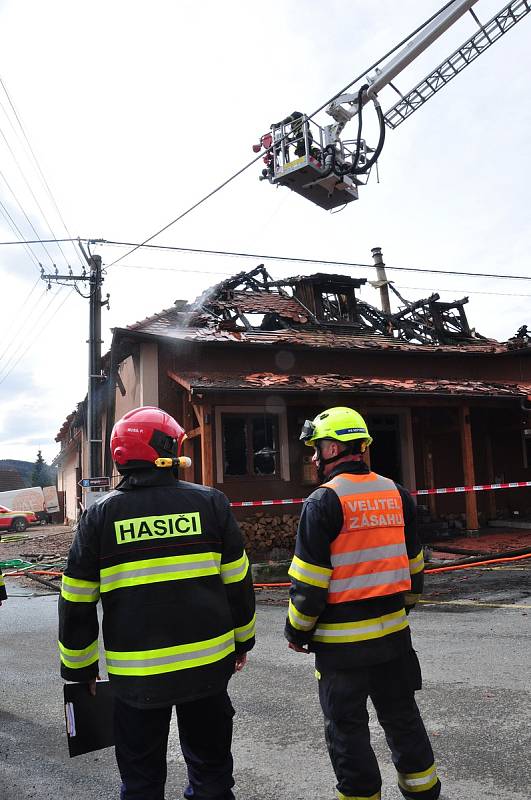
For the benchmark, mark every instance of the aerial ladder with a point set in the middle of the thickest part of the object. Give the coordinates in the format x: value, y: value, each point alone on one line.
x: 318, y: 163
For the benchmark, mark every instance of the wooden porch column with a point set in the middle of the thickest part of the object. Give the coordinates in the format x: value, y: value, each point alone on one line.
x: 367, y: 454
x: 465, y: 430
x: 427, y: 459
x: 204, y: 415
x: 188, y: 423
x: 491, y: 496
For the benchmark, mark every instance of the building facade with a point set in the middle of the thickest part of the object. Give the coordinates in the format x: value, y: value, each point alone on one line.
x: 244, y: 365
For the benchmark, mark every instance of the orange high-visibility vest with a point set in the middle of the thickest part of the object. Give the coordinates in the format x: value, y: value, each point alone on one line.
x: 369, y: 556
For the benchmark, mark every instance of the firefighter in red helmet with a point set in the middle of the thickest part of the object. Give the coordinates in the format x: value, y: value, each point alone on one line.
x: 166, y: 558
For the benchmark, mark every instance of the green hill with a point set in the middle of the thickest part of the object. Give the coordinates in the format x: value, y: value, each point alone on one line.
x: 25, y: 469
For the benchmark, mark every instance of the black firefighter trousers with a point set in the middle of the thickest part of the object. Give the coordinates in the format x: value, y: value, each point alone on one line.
x: 391, y: 686
x: 205, y: 734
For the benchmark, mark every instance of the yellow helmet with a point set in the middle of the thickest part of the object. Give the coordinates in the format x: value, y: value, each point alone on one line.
x: 340, y: 423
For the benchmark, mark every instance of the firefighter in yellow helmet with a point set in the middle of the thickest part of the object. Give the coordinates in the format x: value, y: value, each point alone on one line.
x: 356, y: 573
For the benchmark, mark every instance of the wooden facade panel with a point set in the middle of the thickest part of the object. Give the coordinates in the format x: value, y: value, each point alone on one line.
x: 208, y: 358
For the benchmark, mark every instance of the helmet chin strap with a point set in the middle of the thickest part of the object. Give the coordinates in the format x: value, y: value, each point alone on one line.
x: 321, y: 462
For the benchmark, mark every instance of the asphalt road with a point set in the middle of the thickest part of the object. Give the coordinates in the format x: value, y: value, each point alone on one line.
x: 472, y: 636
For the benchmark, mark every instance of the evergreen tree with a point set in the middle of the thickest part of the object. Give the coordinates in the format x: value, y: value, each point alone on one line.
x: 40, y: 470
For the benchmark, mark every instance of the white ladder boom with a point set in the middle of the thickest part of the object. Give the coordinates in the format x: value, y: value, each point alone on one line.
x: 489, y: 33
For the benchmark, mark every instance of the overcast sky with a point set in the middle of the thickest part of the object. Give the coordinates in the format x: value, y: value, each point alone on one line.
x: 135, y: 111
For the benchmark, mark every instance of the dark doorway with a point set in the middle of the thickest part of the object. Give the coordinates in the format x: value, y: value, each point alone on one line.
x: 385, y: 451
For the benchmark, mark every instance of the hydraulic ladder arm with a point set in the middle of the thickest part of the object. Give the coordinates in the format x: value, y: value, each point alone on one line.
x: 489, y: 33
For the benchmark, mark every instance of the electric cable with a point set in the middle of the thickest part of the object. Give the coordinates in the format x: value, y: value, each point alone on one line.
x: 20, y: 336
x: 221, y: 273
x: 21, y: 171
x: 38, y: 166
x: 11, y: 367
x: 294, y: 259
x: 43, y: 241
x: 467, y: 291
x: 32, y: 226
x: 275, y: 144
x: 383, y: 58
x: 271, y: 257
x: 16, y: 230
x: 16, y: 332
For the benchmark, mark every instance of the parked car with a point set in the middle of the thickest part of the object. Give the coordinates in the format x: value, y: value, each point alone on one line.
x: 16, y: 520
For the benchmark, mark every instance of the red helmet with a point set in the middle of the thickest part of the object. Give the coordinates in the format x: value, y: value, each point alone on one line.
x: 143, y: 435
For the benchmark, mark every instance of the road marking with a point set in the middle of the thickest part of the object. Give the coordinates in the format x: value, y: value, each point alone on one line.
x: 471, y: 603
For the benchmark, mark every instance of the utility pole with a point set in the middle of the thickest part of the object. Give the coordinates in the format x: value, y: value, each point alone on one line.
x: 381, y: 281
x: 94, y: 279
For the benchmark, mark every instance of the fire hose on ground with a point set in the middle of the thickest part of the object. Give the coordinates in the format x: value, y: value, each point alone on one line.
x: 25, y: 571
x: 24, y: 568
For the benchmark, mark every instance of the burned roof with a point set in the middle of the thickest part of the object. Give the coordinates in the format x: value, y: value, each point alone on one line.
x: 319, y: 310
x: 345, y: 383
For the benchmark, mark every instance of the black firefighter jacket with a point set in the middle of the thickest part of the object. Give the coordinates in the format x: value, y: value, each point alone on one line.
x: 365, y: 632
x: 166, y: 558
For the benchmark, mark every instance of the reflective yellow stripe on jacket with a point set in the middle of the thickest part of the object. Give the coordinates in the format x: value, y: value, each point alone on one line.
x: 170, y: 659
x: 78, y: 591
x: 298, y: 620
x: 235, y: 571
x: 374, y: 628
x: 77, y: 659
x: 309, y: 573
x: 245, y: 632
x: 416, y: 564
x: 156, y: 570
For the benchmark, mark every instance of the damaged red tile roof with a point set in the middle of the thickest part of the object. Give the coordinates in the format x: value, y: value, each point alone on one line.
x: 333, y: 382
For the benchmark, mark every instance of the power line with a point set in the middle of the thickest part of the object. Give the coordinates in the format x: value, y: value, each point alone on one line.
x: 267, y: 256
x: 19, y: 341
x: 43, y: 241
x: 56, y: 311
x: 19, y: 204
x: 466, y: 291
x: 260, y: 155
x: 176, y: 269
x: 295, y: 259
x: 363, y: 74
x: 16, y: 230
x: 21, y: 171
x: 24, y: 303
x: 222, y: 273
x: 37, y: 165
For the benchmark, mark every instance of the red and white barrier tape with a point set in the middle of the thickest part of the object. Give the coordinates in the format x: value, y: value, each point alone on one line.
x: 246, y: 503
x: 482, y: 487
x: 448, y: 490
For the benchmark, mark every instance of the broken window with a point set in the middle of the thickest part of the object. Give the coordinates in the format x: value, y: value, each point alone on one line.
x: 250, y: 445
x: 337, y: 304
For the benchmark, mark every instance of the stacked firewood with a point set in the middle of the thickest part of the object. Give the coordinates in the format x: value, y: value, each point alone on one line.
x: 264, y: 532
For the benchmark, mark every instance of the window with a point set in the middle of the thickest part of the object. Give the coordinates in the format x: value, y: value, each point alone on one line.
x: 250, y: 445
x: 337, y: 305
x: 526, y: 441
